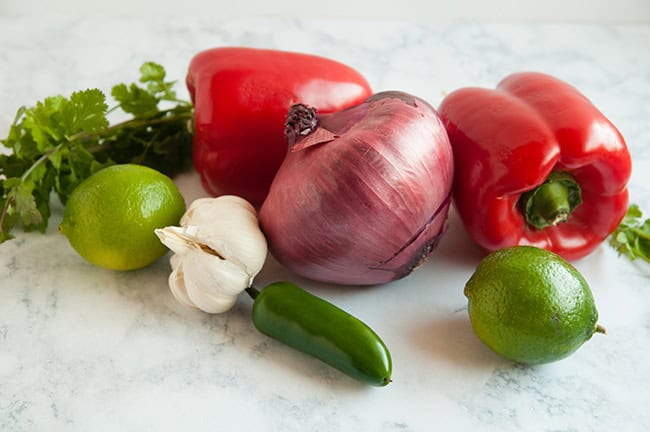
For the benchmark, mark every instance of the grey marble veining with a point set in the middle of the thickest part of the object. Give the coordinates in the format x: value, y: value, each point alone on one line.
x: 84, y: 349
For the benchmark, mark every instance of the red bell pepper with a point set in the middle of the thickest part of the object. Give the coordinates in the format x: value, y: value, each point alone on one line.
x: 241, y: 97
x: 536, y: 164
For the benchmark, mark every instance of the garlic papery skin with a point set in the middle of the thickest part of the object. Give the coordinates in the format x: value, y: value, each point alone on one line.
x: 218, y: 250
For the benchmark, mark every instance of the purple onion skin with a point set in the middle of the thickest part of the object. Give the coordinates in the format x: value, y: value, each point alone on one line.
x: 362, y: 198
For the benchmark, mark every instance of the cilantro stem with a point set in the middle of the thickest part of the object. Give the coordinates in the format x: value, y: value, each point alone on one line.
x: 161, y: 118
x: 5, y: 210
x: 40, y: 160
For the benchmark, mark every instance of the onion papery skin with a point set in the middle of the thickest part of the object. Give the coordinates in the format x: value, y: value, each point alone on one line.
x: 363, y: 199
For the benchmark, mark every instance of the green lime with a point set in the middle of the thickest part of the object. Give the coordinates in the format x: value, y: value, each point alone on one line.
x: 111, y: 216
x: 531, y: 306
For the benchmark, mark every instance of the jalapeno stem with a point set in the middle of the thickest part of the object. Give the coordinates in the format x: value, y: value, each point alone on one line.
x: 552, y: 202
x: 252, y: 292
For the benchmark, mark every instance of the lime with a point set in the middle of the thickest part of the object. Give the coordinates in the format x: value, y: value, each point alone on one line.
x: 111, y: 216
x: 531, y: 306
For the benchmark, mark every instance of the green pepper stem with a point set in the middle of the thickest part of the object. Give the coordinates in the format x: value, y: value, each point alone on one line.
x: 552, y: 202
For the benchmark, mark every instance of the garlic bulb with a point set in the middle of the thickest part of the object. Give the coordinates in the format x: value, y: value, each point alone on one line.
x: 218, y: 250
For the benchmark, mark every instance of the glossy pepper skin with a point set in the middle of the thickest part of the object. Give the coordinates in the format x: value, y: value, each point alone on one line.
x: 241, y: 97
x: 316, y: 327
x: 508, y: 140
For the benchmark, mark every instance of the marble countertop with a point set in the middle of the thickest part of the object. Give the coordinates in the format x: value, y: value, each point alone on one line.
x: 85, y: 349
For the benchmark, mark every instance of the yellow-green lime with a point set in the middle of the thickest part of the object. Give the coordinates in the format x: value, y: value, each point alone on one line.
x: 111, y: 216
x: 531, y: 306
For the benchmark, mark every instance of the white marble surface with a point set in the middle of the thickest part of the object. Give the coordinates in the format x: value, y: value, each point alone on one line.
x: 84, y: 349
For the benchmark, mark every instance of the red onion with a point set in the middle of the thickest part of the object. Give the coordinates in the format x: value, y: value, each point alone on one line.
x: 363, y: 194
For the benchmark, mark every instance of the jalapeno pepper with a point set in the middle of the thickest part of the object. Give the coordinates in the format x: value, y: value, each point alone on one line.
x: 316, y: 327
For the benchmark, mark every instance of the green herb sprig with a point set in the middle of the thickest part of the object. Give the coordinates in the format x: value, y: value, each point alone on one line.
x: 61, y: 141
x: 632, y: 236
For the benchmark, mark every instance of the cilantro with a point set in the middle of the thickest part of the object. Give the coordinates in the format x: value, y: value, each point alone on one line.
x: 142, y: 102
x: 632, y: 236
x: 61, y: 141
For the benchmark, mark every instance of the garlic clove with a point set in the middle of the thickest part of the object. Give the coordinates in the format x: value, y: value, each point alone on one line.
x: 213, y: 284
x: 245, y: 248
x: 206, y: 211
x: 176, y: 238
x: 197, y: 212
x: 177, y: 281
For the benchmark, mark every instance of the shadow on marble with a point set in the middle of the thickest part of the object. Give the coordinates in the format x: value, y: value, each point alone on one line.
x: 305, y: 370
x: 451, y: 339
x: 456, y: 250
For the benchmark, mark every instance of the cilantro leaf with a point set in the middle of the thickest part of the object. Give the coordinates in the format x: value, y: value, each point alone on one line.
x: 135, y: 100
x: 632, y: 236
x: 153, y: 75
x: 84, y: 111
x: 25, y: 204
x: 151, y: 71
x: 143, y: 102
x: 40, y: 122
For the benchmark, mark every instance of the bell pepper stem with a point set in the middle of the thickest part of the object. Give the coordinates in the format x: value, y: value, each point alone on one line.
x: 552, y: 202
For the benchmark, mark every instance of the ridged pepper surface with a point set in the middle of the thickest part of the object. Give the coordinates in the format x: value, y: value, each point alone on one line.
x: 536, y: 163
